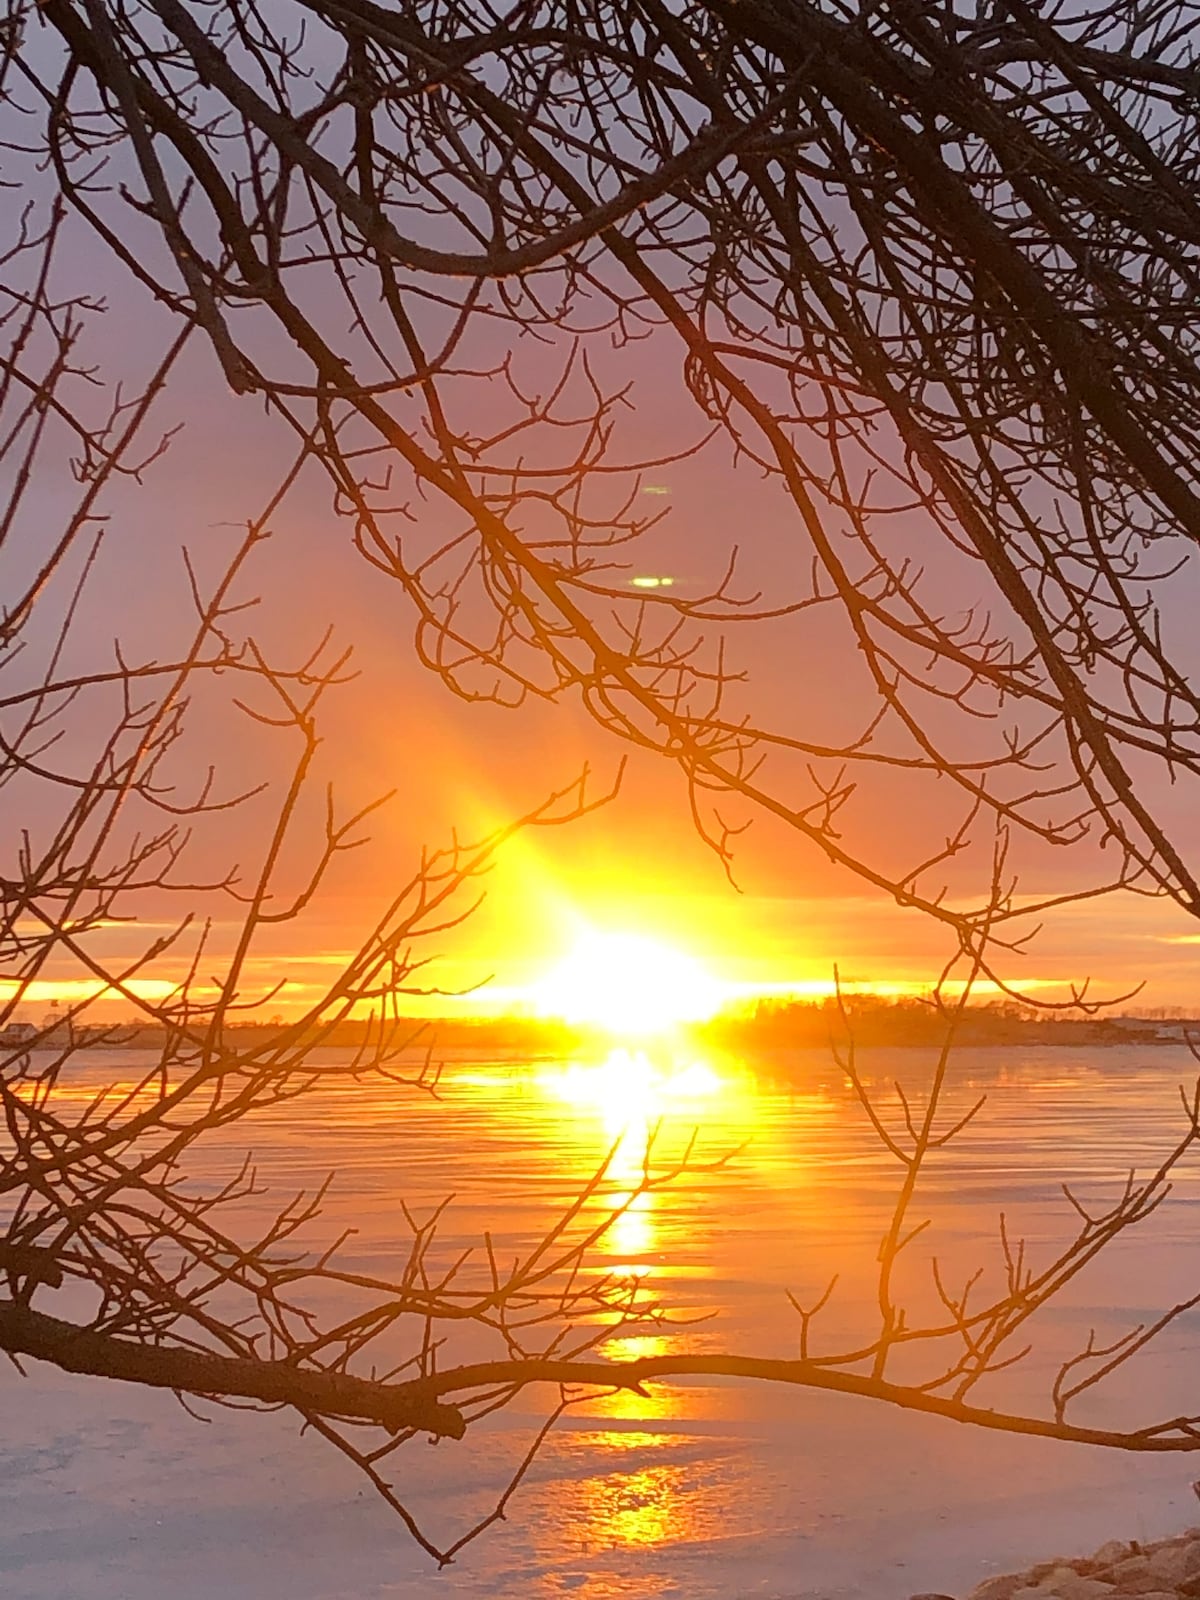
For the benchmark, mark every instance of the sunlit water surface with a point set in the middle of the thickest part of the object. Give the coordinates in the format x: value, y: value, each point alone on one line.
x: 702, y: 1489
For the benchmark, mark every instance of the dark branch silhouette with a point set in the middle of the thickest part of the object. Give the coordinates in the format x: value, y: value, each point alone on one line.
x: 925, y: 275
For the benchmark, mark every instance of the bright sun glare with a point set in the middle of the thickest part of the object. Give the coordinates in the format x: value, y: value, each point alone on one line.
x: 627, y: 984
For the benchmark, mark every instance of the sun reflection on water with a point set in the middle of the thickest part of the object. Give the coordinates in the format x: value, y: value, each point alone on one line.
x: 632, y: 1100
x: 638, y: 1509
x: 630, y: 1088
x: 642, y: 1108
x: 644, y: 1112
x: 633, y: 1231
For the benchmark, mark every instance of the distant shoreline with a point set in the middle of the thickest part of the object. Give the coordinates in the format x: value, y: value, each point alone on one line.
x: 771, y: 1027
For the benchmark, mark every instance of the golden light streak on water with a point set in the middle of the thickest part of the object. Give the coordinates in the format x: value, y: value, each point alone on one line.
x: 637, y: 1509
x: 711, y: 1476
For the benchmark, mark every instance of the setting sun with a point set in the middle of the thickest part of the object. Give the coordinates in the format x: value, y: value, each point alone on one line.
x: 628, y: 984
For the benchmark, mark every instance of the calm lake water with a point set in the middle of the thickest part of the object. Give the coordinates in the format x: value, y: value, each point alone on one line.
x: 703, y: 1490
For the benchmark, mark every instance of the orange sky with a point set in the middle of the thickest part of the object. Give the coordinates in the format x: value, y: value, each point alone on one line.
x: 637, y: 866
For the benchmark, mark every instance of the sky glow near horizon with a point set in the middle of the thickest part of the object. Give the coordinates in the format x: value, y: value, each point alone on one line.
x: 559, y: 963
